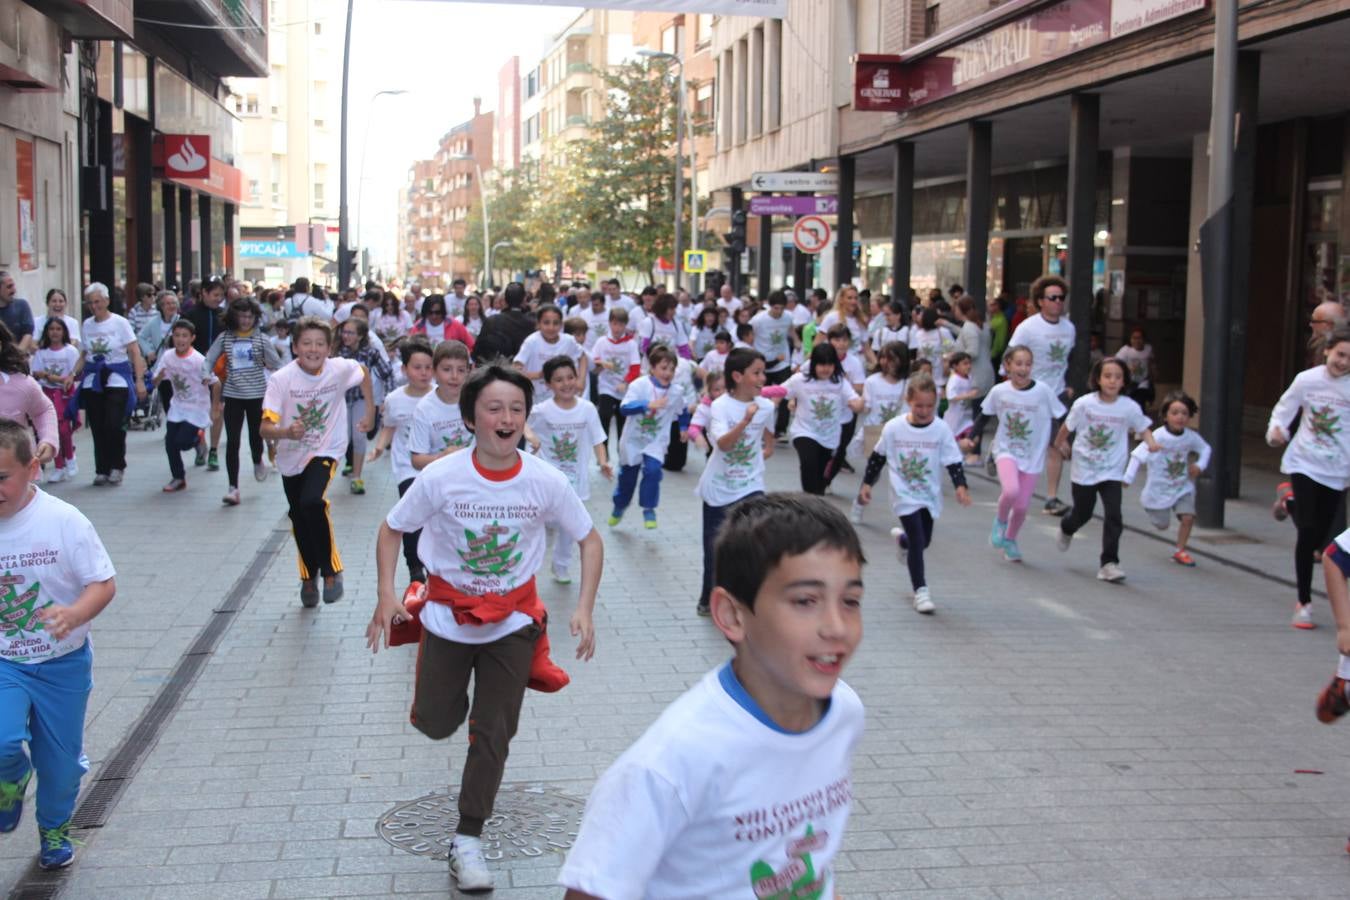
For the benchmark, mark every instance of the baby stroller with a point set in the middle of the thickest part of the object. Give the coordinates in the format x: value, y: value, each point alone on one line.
x: 149, y: 413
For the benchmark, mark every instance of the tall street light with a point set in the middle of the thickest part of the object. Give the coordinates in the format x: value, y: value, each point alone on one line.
x: 482, y: 199
x: 365, y: 146
x: 344, y: 257
x: 492, y: 252
x: 681, y: 113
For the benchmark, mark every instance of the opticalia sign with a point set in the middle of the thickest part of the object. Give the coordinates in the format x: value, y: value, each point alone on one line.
x: 884, y: 83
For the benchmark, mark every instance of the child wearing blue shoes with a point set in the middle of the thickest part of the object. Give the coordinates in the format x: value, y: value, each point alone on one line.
x: 55, y: 576
x: 651, y: 405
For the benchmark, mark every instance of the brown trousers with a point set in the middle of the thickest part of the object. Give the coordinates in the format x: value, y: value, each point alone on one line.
x: 500, y: 671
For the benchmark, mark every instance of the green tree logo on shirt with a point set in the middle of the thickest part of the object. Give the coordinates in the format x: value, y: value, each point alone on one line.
x: 18, y: 612
x: 99, y: 346
x: 564, y: 448
x: 913, y: 468
x: 1017, y: 426
x: 456, y: 440
x: 312, y: 415
x: 649, y: 425
x: 1325, y: 424
x: 1100, y: 438
x: 488, y: 554
x: 797, y: 880
x: 889, y: 411
x: 823, y: 409
x: 742, y: 454
x: 1176, y: 467
x: 180, y: 384
x: 778, y: 338
x: 1058, y: 351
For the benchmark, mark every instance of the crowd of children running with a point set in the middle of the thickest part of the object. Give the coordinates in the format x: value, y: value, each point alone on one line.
x: 537, y: 386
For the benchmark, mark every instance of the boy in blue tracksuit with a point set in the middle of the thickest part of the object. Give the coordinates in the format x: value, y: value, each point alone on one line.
x: 55, y: 576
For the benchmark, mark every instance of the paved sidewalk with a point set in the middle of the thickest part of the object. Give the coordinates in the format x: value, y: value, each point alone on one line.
x: 1043, y: 735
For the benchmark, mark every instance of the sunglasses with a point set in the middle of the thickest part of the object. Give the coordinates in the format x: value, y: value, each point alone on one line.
x: 1057, y: 298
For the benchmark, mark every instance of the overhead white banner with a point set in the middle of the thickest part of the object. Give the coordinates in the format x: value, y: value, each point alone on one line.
x: 769, y: 9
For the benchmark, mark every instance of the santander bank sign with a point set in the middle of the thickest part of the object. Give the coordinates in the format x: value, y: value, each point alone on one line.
x: 187, y: 155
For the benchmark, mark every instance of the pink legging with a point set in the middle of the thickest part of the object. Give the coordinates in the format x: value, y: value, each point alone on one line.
x: 59, y: 400
x: 1016, y: 496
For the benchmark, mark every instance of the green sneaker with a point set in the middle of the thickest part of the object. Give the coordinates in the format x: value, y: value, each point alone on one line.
x: 57, y: 847
x: 11, y: 802
x: 615, y: 518
x: 649, y: 519
x: 212, y: 461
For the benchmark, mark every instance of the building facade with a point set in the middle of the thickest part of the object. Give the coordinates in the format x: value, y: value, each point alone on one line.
x: 433, y: 231
x: 1071, y: 137
x: 290, y: 142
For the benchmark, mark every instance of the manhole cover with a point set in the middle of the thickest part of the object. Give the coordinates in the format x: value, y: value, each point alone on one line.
x: 527, y: 821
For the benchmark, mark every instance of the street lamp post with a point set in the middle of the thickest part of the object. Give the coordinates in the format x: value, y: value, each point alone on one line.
x: 365, y: 146
x: 344, y: 259
x: 492, y: 252
x: 482, y: 198
x: 681, y: 114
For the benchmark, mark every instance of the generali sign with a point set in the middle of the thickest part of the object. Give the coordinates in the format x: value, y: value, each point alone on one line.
x: 884, y: 83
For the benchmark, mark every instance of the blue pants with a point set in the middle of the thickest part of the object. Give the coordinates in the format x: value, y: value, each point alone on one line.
x: 649, y: 495
x: 713, y: 517
x: 178, y: 437
x: 44, y: 704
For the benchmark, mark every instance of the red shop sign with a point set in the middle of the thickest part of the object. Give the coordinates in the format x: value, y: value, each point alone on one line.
x: 186, y: 155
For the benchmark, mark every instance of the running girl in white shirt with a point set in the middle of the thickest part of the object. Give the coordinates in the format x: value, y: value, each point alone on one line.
x: 1170, y: 488
x: 913, y: 448
x: 1318, y: 456
x: 883, y: 400
x: 618, y: 362
x: 438, y: 427
x: 564, y: 431
x: 189, y: 413
x: 1104, y: 420
x: 400, y: 406
x: 740, y: 430
x: 544, y: 344
x: 305, y: 411
x: 820, y: 398
x: 1025, y: 410
x: 483, y: 515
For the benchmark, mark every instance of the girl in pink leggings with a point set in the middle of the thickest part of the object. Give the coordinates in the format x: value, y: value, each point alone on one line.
x: 1026, y: 411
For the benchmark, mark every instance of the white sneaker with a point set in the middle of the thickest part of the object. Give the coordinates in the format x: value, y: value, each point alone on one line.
x: 1303, y: 617
x: 1112, y: 573
x: 468, y: 866
x: 56, y: 475
x: 923, y: 603
x: 71, y: 468
x: 1065, y: 539
x: 855, y: 514
x: 115, y: 477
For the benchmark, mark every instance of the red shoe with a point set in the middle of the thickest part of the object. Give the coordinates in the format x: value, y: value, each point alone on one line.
x: 1332, y: 704
x: 1284, y: 492
x: 1183, y: 558
x: 1303, y: 617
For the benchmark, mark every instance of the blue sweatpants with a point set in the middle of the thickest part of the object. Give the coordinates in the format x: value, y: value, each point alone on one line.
x: 44, y: 704
x: 649, y: 495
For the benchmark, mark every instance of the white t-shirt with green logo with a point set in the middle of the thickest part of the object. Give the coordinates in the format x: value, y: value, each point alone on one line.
x: 738, y: 472
x: 319, y: 401
x: 883, y: 399
x: 438, y: 426
x: 1320, y: 448
x: 917, y: 457
x: 648, y: 433
x: 49, y: 552
x: 1169, y: 477
x: 1101, y: 447
x: 821, y: 408
x: 485, y: 536
x: 1024, y: 420
x: 567, y: 439
x: 771, y: 339
x: 1050, y: 347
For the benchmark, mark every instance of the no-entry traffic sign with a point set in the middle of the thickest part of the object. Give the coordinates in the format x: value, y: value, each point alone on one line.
x: 811, y: 234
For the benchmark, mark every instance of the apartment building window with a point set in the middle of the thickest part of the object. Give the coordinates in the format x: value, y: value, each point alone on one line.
x: 703, y: 25
x: 276, y: 179
x: 741, y: 104
x: 250, y: 105
x: 931, y: 20
x: 254, y: 191
x: 672, y: 40
x: 756, y: 70
x: 318, y: 28
x: 320, y: 179
x: 318, y: 195
x: 703, y: 103
x: 724, y: 140
x: 773, y: 74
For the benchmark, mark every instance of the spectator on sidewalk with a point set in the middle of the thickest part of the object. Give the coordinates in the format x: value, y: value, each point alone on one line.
x: 16, y: 314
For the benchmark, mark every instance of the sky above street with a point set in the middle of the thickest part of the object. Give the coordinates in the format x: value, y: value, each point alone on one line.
x: 444, y: 54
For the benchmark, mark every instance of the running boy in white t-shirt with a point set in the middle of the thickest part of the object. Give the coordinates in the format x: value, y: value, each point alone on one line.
x: 438, y: 428
x: 483, y: 515
x: 305, y: 411
x: 56, y: 578
x: 190, y: 410
x: 652, y: 402
x: 396, y: 434
x: 564, y: 431
x: 762, y: 815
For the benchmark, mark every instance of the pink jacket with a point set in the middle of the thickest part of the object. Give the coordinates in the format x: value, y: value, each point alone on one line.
x: 21, y: 399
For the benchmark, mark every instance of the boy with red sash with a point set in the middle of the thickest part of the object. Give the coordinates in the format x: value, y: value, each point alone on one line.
x: 483, y: 512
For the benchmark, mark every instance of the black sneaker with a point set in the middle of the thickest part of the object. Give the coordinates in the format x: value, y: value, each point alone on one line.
x: 1055, y: 507
x: 704, y: 610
